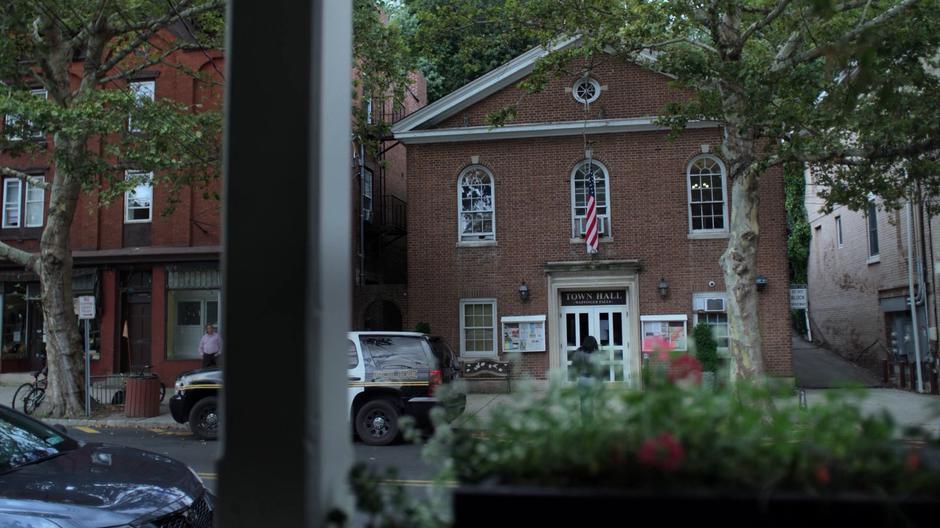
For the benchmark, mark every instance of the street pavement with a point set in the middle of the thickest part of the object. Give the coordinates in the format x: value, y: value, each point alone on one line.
x: 817, y: 368
x: 202, y: 456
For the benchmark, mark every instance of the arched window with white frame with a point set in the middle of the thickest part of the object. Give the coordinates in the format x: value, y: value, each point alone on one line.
x: 708, y: 195
x: 476, y: 204
x: 579, y: 198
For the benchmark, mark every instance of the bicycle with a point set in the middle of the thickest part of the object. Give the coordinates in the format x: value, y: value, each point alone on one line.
x: 30, y: 395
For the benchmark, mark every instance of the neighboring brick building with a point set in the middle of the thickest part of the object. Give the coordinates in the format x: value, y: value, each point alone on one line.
x: 155, y: 278
x: 858, y: 281
x: 519, y: 192
x: 379, y: 235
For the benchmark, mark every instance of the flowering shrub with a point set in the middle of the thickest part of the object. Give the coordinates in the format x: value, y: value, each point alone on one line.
x: 674, y: 434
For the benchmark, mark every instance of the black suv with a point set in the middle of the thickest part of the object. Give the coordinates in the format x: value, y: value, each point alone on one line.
x: 394, y: 374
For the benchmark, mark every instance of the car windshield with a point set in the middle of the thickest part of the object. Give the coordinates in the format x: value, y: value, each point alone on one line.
x: 24, y: 441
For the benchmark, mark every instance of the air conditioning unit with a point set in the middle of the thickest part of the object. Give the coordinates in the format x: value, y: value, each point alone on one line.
x: 581, y: 226
x: 708, y: 304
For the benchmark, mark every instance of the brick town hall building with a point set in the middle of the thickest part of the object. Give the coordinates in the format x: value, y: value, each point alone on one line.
x: 495, y: 211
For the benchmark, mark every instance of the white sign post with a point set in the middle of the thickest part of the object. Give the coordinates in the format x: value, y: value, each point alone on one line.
x: 86, y: 312
x: 799, y: 300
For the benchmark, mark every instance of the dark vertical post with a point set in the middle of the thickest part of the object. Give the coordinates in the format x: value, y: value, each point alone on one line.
x: 285, y: 434
x: 902, y: 371
x: 885, y: 365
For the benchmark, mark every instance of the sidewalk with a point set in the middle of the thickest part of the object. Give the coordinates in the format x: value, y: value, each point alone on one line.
x: 108, y: 419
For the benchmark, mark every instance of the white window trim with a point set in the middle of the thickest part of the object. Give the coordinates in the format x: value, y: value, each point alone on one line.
x: 597, y: 90
x: 460, y: 233
x: 601, y: 217
x: 724, y: 195
x: 839, y: 239
x: 42, y: 206
x: 872, y: 258
x: 9, y: 120
x: 19, y: 203
x: 722, y: 351
x: 151, y: 97
x: 463, y: 334
x: 127, y: 219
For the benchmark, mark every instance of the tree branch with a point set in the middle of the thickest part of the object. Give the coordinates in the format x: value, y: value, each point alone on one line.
x: 764, y: 22
x: 860, y: 156
x: 124, y: 74
x: 24, y: 258
x: 819, y: 51
x: 150, y: 28
x: 36, y: 181
x: 679, y: 40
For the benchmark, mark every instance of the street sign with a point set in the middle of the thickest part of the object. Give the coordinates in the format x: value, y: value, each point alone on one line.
x: 798, y: 298
x: 86, y: 307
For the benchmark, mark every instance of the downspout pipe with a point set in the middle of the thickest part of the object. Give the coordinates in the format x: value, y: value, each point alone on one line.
x: 910, y: 290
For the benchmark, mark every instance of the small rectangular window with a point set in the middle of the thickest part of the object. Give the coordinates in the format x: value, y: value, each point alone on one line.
x: 839, y: 230
x: 138, y: 202
x: 12, y: 190
x: 478, y: 327
x: 872, y: 230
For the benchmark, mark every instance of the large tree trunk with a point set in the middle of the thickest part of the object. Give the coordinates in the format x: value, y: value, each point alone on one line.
x: 739, y: 261
x: 65, y: 391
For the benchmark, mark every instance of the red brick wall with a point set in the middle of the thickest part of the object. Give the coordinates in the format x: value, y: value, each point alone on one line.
x: 632, y: 91
x: 649, y: 222
x: 649, y: 214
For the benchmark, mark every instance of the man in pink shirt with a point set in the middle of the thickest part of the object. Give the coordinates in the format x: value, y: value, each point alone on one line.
x: 210, y: 346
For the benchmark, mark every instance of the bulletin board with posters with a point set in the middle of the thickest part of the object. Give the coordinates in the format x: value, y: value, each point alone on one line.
x: 525, y: 333
x: 671, y: 328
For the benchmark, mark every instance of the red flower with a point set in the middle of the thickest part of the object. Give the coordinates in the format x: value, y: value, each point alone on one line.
x: 663, y: 452
x: 659, y: 345
x: 822, y: 475
x: 685, y: 368
x: 912, y: 460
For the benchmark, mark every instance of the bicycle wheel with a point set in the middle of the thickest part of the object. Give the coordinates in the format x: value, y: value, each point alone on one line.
x: 33, y: 399
x: 20, y: 395
x: 162, y: 392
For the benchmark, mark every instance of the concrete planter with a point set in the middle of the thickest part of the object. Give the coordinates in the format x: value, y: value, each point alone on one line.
x: 507, y: 505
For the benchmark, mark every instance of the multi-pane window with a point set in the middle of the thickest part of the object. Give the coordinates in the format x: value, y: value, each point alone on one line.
x: 138, y: 202
x: 12, y: 120
x: 14, y: 214
x: 586, y: 90
x: 476, y: 204
x: 707, y: 195
x: 872, y: 230
x: 144, y: 91
x: 718, y: 321
x: 579, y: 198
x: 478, y: 327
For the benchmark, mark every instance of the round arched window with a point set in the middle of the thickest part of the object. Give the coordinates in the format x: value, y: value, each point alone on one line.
x: 586, y: 90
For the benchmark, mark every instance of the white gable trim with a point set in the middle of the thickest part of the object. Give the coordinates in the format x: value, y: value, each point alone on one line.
x: 565, y: 128
x: 478, y: 89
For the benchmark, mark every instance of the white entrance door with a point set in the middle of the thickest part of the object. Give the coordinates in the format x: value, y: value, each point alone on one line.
x: 608, y: 325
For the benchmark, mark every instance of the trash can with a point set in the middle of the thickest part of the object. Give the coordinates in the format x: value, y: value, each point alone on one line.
x: 142, y: 399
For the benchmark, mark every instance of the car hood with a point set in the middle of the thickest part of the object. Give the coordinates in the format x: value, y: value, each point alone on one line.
x: 207, y: 375
x: 96, y: 485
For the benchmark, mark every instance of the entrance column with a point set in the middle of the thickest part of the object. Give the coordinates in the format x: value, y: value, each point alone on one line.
x: 285, y: 432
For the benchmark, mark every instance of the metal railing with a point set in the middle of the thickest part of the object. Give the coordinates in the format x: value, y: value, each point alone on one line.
x: 394, y: 212
x: 109, y: 390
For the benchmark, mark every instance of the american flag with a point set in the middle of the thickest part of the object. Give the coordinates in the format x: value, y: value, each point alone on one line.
x: 591, y: 216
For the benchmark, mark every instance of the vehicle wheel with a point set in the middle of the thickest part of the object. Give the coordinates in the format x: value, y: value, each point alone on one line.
x: 204, y: 418
x: 377, y: 423
x: 33, y: 399
x: 20, y: 395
